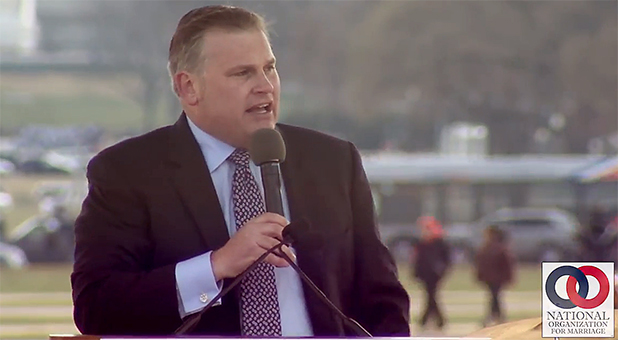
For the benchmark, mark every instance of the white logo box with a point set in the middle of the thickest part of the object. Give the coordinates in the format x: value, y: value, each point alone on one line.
x: 568, y: 319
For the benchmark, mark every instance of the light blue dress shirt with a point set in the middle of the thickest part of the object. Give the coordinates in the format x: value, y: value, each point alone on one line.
x: 195, y: 278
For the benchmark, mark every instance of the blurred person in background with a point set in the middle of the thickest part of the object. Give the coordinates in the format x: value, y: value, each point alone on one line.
x: 616, y: 289
x: 431, y: 262
x: 598, y: 241
x: 612, y: 230
x: 60, y: 236
x: 495, y: 267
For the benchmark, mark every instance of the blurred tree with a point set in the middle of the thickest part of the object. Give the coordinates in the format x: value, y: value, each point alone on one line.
x: 499, y: 63
x: 395, y: 72
x: 134, y: 37
x: 588, y: 64
x: 318, y: 50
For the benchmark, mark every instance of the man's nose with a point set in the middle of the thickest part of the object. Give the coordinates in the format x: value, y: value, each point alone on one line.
x: 264, y: 84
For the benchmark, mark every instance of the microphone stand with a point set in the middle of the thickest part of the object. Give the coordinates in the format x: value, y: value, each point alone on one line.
x: 189, y: 324
x: 353, y: 324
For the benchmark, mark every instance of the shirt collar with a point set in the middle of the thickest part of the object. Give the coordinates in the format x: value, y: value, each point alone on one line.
x: 215, y: 151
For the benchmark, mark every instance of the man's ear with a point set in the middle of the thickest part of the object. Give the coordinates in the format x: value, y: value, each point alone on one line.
x: 187, y: 87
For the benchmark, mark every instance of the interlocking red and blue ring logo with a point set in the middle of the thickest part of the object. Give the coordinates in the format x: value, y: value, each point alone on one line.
x: 577, y: 298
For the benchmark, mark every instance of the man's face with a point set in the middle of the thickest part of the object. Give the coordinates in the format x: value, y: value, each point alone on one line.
x: 238, y: 92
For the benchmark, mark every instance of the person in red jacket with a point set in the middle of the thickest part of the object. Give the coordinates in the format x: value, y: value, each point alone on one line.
x: 431, y: 263
x: 494, y: 268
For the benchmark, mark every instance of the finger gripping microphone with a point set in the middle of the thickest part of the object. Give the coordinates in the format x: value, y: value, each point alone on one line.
x: 191, y: 321
x: 295, y: 228
x: 267, y: 150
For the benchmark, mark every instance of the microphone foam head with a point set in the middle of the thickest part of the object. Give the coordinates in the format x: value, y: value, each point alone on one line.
x: 267, y: 146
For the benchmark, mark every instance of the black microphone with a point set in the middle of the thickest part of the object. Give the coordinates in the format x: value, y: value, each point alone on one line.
x: 267, y: 150
x: 300, y: 234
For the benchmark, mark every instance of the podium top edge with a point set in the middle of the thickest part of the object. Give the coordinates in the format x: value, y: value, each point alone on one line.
x: 94, y: 337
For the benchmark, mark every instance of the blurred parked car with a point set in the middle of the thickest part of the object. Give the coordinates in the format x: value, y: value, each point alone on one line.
x: 6, y: 166
x: 534, y: 234
x: 40, y: 166
x: 6, y: 203
x: 62, y: 195
x: 6, y: 200
x: 12, y: 256
x: 52, y: 188
x: 45, y: 238
x: 401, y: 239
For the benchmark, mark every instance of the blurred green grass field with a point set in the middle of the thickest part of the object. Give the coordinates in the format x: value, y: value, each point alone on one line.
x: 65, y: 99
x: 36, y: 301
x: 55, y: 278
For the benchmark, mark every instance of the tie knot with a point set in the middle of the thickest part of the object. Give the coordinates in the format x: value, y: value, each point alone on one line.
x: 240, y: 157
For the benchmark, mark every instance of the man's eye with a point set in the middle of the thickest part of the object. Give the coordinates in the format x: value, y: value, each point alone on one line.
x: 242, y: 73
x: 270, y: 68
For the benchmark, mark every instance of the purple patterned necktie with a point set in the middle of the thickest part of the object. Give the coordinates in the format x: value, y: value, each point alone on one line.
x: 258, y: 291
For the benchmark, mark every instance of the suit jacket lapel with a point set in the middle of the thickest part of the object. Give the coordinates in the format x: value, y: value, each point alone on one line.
x: 298, y: 191
x: 190, y: 177
x: 290, y: 171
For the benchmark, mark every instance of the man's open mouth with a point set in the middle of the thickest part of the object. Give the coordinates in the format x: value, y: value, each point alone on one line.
x: 261, y: 108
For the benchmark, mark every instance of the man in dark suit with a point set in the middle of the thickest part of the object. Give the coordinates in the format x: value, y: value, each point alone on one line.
x: 171, y: 216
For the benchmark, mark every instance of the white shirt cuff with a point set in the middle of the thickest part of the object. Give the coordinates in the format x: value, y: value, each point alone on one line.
x: 195, y: 283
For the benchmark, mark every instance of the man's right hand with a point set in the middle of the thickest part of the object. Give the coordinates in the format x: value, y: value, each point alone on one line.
x: 251, y: 241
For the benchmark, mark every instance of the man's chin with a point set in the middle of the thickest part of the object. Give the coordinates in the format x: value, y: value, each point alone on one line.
x: 264, y: 124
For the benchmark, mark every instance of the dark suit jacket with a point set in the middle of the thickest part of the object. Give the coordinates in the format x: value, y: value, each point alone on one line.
x: 152, y: 204
x: 432, y: 260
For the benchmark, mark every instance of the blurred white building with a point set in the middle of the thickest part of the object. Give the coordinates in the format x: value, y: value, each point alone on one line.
x: 464, y: 139
x: 19, y: 27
